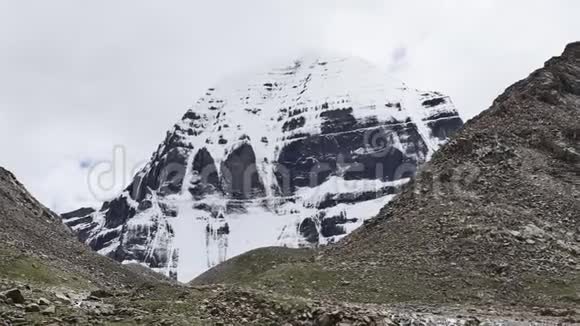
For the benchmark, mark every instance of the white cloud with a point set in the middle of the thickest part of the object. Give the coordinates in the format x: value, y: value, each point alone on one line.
x: 78, y: 78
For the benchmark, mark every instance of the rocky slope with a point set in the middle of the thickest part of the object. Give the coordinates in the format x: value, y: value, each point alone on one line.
x: 492, y: 219
x: 496, y: 211
x: 295, y: 156
x: 34, y: 242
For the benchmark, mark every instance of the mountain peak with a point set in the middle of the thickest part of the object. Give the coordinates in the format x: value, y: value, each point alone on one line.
x: 572, y: 49
x: 298, y: 155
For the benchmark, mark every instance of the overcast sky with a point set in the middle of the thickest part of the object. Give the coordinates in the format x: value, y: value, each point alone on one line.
x: 78, y: 78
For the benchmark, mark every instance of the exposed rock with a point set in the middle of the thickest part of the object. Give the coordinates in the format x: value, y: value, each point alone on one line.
x: 43, y: 302
x: 15, y: 295
x: 50, y: 310
x: 32, y: 307
x: 63, y: 298
x: 81, y: 212
x: 101, y: 294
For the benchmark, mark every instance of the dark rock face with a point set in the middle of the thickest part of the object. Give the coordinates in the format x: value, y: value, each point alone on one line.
x: 240, y: 178
x: 81, y: 212
x: 309, y: 230
x: 206, y: 179
x: 309, y: 162
x: 303, y: 160
x: 118, y: 210
x: 339, y: 120
x: 330, y: 226
x: 15, y: 295
x: 441, y: 126
x: 434, y: 102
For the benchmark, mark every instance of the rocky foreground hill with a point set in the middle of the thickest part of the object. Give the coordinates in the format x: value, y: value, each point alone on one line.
x: 494, y: 217
x: 486, y: 234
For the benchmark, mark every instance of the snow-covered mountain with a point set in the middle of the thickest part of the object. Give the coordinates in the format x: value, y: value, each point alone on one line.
x: 299, y: 155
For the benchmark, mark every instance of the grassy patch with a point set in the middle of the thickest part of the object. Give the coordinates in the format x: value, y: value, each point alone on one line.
x: 566, y: 290
x: 19, y: 267
x: 248, y: 267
